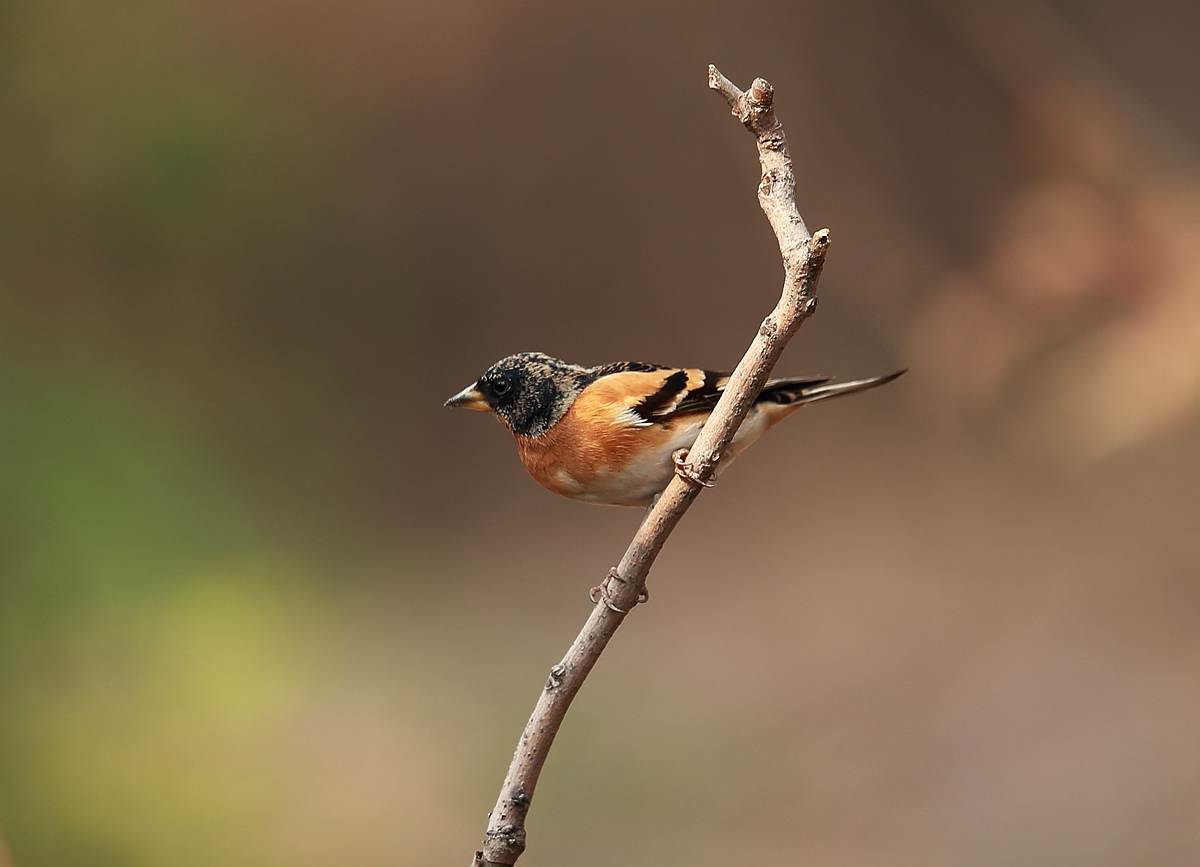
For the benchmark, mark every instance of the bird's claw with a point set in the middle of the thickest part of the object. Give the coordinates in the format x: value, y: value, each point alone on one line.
x: 600, y: 592
x: 685, y: 471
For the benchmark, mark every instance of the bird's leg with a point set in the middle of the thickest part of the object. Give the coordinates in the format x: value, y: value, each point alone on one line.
x: 684, y: 470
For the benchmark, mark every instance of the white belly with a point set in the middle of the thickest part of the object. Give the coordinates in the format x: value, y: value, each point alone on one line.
x: 637, y: 483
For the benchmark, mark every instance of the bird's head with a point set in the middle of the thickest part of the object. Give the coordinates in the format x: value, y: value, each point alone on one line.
x: 529, y: 391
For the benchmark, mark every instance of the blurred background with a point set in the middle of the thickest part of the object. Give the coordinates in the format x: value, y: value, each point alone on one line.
x: 264, y: 601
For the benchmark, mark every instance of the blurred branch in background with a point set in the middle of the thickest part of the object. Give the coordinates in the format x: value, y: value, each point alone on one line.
x: 1087, y: 302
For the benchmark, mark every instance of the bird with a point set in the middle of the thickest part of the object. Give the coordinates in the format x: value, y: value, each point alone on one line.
x: 608, y: 434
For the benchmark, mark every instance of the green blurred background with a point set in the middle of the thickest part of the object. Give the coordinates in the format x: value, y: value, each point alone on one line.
x: 263, y: 601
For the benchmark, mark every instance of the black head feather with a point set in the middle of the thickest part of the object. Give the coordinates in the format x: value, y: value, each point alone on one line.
x: 530, y: 391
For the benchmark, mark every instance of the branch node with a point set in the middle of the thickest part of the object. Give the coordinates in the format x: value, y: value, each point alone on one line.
x: 554, y: 681
x: 504, y: 844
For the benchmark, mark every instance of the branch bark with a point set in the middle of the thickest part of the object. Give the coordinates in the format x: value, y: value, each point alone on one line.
x: 803, y: 257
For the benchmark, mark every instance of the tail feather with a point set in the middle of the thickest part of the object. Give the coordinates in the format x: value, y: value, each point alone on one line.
x: 810, y: 389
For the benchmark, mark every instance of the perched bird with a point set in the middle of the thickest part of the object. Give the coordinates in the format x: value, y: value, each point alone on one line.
x: 607, y: 434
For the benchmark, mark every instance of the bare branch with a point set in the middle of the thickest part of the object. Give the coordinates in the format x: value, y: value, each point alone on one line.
x: 803, y: 258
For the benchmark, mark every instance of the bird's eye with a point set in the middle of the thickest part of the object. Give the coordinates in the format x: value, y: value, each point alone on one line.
x: 501, y: 385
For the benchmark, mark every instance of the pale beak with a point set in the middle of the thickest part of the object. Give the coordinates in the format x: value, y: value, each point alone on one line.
x: 469, y: 398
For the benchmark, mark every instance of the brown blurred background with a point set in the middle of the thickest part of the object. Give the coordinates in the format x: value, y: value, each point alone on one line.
x: 264, y: 601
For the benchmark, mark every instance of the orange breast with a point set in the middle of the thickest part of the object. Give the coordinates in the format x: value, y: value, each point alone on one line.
x: 584, y: 451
